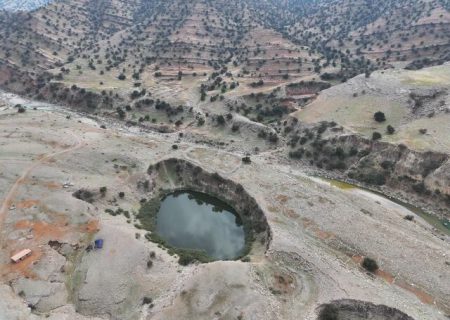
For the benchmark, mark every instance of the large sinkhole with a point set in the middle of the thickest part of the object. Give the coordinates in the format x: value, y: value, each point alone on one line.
x: 201, y: 216
x: 198, y: 221
x: 347, y: 309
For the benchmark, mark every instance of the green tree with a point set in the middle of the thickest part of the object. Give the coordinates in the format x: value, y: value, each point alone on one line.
x: 390, y: 129
x: 376, y: 136
x: 379, y: 116
x: 369, y: 264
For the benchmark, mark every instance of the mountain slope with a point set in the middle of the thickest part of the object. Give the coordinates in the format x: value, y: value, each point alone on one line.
x: 356, y: 34
x: 219, y: 50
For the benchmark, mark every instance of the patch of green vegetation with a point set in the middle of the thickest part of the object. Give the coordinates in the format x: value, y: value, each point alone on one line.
x: 74, y: 276
x: 341, y: 185
x: 185, y: 256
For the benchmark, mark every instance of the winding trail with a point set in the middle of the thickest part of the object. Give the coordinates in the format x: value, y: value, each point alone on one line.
x: 7, y: 201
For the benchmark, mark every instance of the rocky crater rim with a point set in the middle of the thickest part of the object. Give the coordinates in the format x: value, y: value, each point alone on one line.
x: 175, y: 175
x: 347, y: 309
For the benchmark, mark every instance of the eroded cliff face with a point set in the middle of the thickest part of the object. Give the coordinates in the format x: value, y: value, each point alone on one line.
x: 43, y: 89
x: 425, y: 176
x: 439, y: 179
x: 359, y: 310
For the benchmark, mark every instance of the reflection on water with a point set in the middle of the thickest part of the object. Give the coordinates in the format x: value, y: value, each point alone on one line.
x: 194, y: 220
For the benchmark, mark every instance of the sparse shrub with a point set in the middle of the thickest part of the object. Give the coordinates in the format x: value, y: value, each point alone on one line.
x: 246, y: 160
x: 147, y: 300
x: 339, y: 165
x: 364, y: 153
x: 353, y: 152
x: 369, y: 264
x: 297, y: 154
x: 372, y: 177
x: 420, y: 188
x: 262, y: 134
x: 387, y: 165
x: 84, y: 195
x: 122, y: 114
x: 200, y: 122
x: 376, y: 136
x: 187, y: 256
x: 379, y: 116
x: 423, y: 131
x: 221, y: 120
x: 103, y: 190
x: 390, y: 129
x: 121, y: 194
x: 273, y: 137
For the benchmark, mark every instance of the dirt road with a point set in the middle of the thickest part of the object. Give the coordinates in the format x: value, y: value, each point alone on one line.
x: 8, y: 200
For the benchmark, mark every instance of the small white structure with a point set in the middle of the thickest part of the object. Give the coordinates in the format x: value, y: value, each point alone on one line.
x: 21, y: 255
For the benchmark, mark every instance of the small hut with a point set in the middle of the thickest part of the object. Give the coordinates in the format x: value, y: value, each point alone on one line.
x: 19, y: 256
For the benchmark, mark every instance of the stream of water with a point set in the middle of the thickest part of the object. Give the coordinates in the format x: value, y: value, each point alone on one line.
x: 443, y: 225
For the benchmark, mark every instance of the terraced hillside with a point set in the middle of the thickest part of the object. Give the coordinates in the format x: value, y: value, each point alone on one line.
x: 351, y: 35
x: 379, y: 31
x: 217, y: 53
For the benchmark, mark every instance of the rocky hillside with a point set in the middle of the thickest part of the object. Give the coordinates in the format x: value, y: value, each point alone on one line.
x: 271, y: 38
x: 419, y: 177
x: 223, y: 54
x: 415, y: 105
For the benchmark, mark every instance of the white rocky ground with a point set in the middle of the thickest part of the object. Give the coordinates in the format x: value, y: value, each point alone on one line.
x: 22, y: 5
x: 319, y: 232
